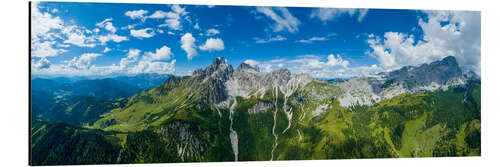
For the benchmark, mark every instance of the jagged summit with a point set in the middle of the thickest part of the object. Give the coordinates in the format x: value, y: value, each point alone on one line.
x: 212, y: 79
x: 247, y: 67
x: 219, y: 68
x: 219, y: 81
x: 218, y: 62
x: 438, y: 72
x: 449, y: 60
x: 278, y: 77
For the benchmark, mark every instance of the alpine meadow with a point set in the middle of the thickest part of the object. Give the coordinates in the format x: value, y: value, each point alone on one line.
x: 122, y: 83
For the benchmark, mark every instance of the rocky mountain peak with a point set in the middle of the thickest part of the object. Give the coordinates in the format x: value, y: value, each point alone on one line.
x: 247, y: 67
x: 278, y: 77
x: 447, y: 61
x: 282, y: 71
x: 410, y: 77
x: 439, y: 72
x: 218, y: 64
x: 212, y: 80
x: 438, y: 75
x: 218, y: 69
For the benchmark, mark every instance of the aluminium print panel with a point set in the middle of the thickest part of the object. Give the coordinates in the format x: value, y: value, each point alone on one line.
x: 115, y: 83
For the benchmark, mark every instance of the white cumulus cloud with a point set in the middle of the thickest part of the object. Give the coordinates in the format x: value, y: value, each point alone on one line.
x: 318, y: 66
x: 107, y: 24
x: 132, y: 56
x: 43, y: 63
x: 213, y: 44
x: 335, y: 61
x: 106, y: 50
x: 315, y: 62
x: 164, y: 53
x: 111, y: 37
x: 172, y: 18
x: 136, y: 14
x: 252, y: 62
x: 188, y: 45
x: 445, y: 33
x: 84, y: 61
x: 43, y: 22
x: 159, y: 15
x: 151, y: 62
x: 212, y: 32
x: 143, y: 33
x: 77, y: 37
x: 154, y: 67
x: 45, y: 49
x: 47, y: 31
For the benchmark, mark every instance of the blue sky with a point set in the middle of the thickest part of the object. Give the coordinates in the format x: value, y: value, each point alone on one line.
x: 113, y: 39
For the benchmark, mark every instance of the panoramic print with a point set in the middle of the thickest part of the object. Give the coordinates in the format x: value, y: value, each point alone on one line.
x: 123, y: 83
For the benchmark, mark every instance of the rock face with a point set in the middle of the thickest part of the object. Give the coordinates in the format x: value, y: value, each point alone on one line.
x: 278, y: 77
x: 436, y: 75
x: 439, y: 72
x: 188, y: 140
x: 247, y: 67
x: 357, y: 91
x: 212, y: 80
x: 247, y: 81
x: 244, y: 80
x: 218, y: 69
x: 219, y: 82
x: 260, y: 106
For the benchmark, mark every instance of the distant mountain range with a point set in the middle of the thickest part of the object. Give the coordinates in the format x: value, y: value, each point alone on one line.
x: 225, y: 114
x: 85, y: 85
x: 74, y: 100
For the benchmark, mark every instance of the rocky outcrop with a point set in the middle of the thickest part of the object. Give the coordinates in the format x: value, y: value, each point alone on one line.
x: 247, y: 67
x: 439, y: 72
x: 218, y: 69
x: 244, y: 82
x: 190, y: 142
x: 259, y: 107
x: 409, y: 79
x: 212, y: 80
x: 219, y: 81
x: 277, y: 78
x: 247, y: 81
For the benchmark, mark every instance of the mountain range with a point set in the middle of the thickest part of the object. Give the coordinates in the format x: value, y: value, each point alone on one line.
x: 224, y: 114
x: 82, y: 100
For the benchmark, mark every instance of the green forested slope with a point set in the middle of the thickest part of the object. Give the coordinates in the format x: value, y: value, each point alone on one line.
x: 172, y: 123
x: 61, y: 143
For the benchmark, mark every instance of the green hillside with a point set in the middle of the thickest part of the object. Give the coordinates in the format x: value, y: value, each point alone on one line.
x: 63, y: 144
x: 175, y: 122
